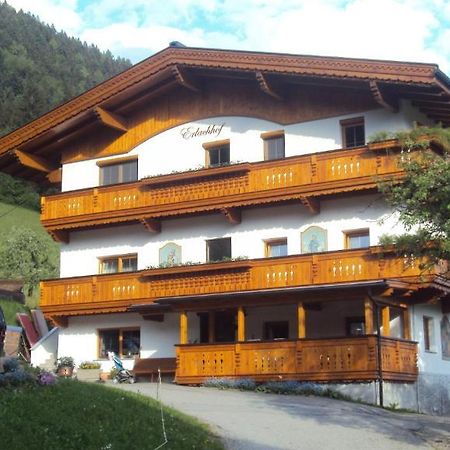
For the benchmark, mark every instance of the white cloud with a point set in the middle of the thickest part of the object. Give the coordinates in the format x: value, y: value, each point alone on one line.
x: 383, y: 29
x: 60, y: 13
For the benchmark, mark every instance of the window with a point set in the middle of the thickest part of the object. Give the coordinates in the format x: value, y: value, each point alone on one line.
x: 124, y: 342
x: 276, y: 330
x: 355, y: 326
x: 357, y: 239
x: 276, y: 247
x: 217, y: 153
x: 118, y: 171
x: 218, y: 249
x: 114, y: 264
x: 428, y: 334
x: 273, y: 145
x: 353, y: 134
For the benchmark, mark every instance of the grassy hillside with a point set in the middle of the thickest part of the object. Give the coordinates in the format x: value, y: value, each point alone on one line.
x: 10, y: 308
x: 13, y: 215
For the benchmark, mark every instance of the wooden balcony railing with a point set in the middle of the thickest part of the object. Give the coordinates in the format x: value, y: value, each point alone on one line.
x: 213, y: 189
x: 116, y: 292
x: 337, y: 359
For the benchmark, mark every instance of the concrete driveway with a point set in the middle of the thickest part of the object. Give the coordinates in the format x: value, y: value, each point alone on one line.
x: 257, y: 421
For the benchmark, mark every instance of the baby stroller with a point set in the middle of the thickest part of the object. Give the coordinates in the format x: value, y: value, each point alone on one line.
x: 123, y: 375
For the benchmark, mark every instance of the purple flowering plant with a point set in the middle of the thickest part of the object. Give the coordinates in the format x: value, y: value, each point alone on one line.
x: 46, y: 378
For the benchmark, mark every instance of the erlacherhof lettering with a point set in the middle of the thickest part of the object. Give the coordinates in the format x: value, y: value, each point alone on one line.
x: 192, y: 132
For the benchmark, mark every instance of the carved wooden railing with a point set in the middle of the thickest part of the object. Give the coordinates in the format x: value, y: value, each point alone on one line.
x: 116, y: 292
x: 337, y: 359
x: 299, y: 177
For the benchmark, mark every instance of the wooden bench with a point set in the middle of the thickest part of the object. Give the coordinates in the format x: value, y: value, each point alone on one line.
x: 150, y: 366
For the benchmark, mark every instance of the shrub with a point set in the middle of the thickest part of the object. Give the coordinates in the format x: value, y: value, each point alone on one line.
x: 46, y: 378
x: 291, y: 387
x: 243, y: 384
x: 65, y: 361
x: 21, y: 374
x: 11, y: 364
x: 14, y: 374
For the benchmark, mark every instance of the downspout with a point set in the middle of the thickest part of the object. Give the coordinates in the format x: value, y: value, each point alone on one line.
x: 379, y: 357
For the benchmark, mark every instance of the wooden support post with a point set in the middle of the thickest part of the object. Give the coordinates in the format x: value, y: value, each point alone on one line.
x: 241, y: 324
x: 368, y: 315
x: 301, y: 315
x: 386, y: 320
x: 183, y: 327
x: 407, y: 324
x: 211, y: 327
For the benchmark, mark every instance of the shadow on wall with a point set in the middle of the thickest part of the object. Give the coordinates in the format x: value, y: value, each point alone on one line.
x: 434, y: 394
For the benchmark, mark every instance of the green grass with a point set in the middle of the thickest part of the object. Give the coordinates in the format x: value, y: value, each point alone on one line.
x: 13, y: 215
x: 75, y: 415
x: 10, y: 308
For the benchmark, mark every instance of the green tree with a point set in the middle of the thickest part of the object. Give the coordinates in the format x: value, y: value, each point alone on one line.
x: 422, y: 198
x: 41, y: 68
x: 24, y: 254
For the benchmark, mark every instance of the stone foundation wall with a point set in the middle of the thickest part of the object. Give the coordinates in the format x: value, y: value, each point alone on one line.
x: 430, y: 394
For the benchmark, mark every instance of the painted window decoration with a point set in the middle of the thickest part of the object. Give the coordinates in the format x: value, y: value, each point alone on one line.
x: 314, y: 240
x: 170, y: 254
x: 445, y: 337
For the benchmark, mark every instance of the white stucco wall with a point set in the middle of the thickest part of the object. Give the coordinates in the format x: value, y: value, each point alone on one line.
x: 80, y: 338
x: 43, y: 353
x: 169, y: 151
x: 429, y: 361
x: 80, y: 255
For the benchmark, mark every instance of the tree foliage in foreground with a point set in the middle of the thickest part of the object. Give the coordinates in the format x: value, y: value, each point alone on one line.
x: 24, y: 255
x: 423, y: 197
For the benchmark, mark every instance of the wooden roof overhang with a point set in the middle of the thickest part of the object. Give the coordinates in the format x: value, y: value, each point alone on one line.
x: 34, y: 150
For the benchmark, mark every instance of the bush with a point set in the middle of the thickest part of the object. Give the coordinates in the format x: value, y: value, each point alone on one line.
x: 14, y: 374
x: 65, y: 361
x: 46, y: 378
x: 21, y: 374
x: 243, y: 384
x: 291, y: 387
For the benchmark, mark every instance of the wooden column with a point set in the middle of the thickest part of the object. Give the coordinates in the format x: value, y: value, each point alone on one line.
x: 386, y: 320
x: 368, y: 315
x: 183, y: 327
x: 407, y: 324
x: 241, y: 324
x: 211, y: 327
x: 301, y: 318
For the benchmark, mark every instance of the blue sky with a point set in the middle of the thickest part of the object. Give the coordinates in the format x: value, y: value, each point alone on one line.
x: 408, y: 30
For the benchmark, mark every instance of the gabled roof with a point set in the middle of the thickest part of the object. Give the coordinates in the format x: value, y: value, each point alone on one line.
x: 388, y: 81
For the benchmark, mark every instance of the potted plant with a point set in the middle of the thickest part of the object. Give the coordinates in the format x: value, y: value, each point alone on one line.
x: 64, y: 366
x: 88, y: 371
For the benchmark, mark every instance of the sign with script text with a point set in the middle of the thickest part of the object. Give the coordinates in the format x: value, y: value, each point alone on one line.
x: 196, y: 131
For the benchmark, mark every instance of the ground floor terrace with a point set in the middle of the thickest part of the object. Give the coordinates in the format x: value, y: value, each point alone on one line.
x: 327, y: 335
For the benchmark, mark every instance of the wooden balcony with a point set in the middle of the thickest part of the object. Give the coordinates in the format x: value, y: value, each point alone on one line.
x: 337, y: 359
x: 116, y: 292
x: 301, y: 178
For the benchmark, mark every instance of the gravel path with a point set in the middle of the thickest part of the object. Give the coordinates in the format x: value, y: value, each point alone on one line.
x: 257, y: 421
